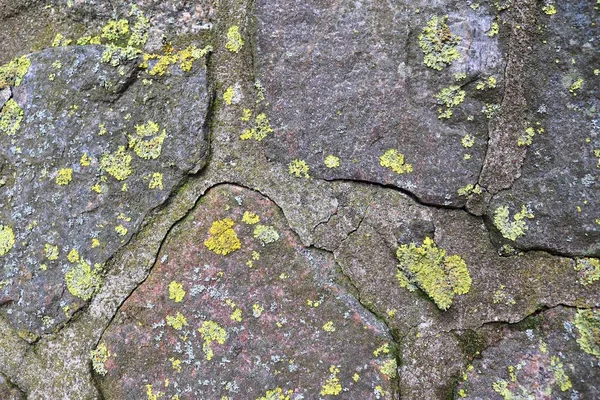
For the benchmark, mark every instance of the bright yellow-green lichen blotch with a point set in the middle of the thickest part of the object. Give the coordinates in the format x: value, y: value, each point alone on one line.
x: 439, y: 45
x: 156, y: 181
x: 276, y: 394
x: 64, y: 176
x: 73, y: 256
x: 223, y: 239
x: 51, y: 252
x: 560, y: 376
x: 389, y: 368
x: 332, y: 161
x: 10, y: 117
x: 147, y: 142
x: 440, y: 276
x: 140, y: 29
x: 549, y: 9
x: 332, y: 386
x: 234, y: 39
x: 211, y: 332
x: 577, y: 85
x: 115, y: 30
x: 228, y: 95
x: 589, y: 270
x: 176, y: 292
x: 329, y: 327
x: 394, y: 160
x: 469, y: 189
x: 99, y: 357
x: 250, y: 218
x: 12, y: 74
x: 262, y: 128
x: 299, y: 168
x: 82, y: 281
x: 449, y: 97
x: 117, y: 164
x: 512, y: 229
x: 7, y: 239
x: 587, y: 323
x: 266, y: 234
x: 468, y: 141
x: 176, y: 322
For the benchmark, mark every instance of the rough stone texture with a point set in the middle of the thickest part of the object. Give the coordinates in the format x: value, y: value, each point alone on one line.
x: 292, y: 326
x: 345, y: 79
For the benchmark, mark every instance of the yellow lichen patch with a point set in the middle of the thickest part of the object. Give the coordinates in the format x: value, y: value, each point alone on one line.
x: 383, y: 349
x: 176, y: 322
x: 549, y: 9
x: 12, y: 74
x: 468, y: 141
x: 175, y: 364
x: 223, y: 239
x: 560, y: 376
x: 355, y: 377
x: 250, y: 218
x: 299, y: 168
x: 117, y: 164
x: 64, y: 176
x: 276, y: 394
x: 156, y: 181
x: 176, y: 292
x: 147, y: 142
x: 246, y: 114
x: 185, y: 58
x: 329, y: 327
x: 59, y: 41
x: 332, y: 161
x: 151, y: 395
x: 389, y: 368
x: 115, y: 29
x: 211, y: 332
x: 266, y: 234
x: 587, y: 323
x: 395, y: 161
x: 228, y: 95
x: 11, y: 116
x: 332, y: 386
x: 140, y: 29
x: 262, y: 127
x: 99, y: 357
x: 589, y: 270
x: 51, y: 252
x: 121, y: 230
x: 440, y: 276
x: 234, y: 39
x: 73, y: 256
x: 439, y: 44
x: 575, y: 86
x: 512, y: 229
x: 257, y: 310
x: 82, y: 281
x: 95, y: 243
x: 236, y: 315
x: 449, y: 98
x: 7, y: 239
x: 85, y: 160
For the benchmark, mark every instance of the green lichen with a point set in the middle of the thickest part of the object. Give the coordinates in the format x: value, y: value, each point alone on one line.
x: 587, y: 323
x: 389, y: 368
x: 395, y: 161
x: 468, y: 141
x: 262, y: 128
x: 512, y: 229
x: 527, y: 138
x: 589, y: 270
x: 82, y: 281
x: 60, y: 41
x: 176, y: 322
x: 12, y: 74
x: 114, y: 30
x: 140, y: 28
x: 10, y: 117
x: 469, y: 189
x: 147, y: 142
x: 176, y: 292
x: 265, y: 233
x: 64, y: 176
x: 439, y: 45
x: 117, y: 164
x: 298, y: 168
x: 228, y: 95
x: 332, y: 161
x: 560, y: 376
x: 51, y: 252
x: 250, y: 218
x: 489, y: 83
x: 7, y: 239
x: 332, y: 386
x: 494, y: 29
x: 549, y: 9
x: 211, y: 332
x: 575, y: 86
x: 223, y: 239
x: 156, y: 181
x: 115, y: 55
x: 234, y: 39
x: 99, y: 357
x: 440, y: 276
x: 449, y: 97
x: 276, y: 394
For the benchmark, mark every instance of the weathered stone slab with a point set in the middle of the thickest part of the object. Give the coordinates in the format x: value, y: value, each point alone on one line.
x: 236, y: 308
x: 87, y: 150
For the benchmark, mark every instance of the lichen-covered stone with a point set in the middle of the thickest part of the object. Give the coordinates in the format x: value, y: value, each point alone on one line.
x: 244, y: 330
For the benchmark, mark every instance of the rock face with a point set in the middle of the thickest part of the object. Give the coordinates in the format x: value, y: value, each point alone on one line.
x: 299, y: 200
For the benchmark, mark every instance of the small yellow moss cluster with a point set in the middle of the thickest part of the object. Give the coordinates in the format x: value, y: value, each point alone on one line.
x: 262, y: 128
x: 64, y: 176
x: 587, y: 323
x: 82, y: 281
x: 176, y: 292
x: 7, y: 239
x: 99, y: 357
x: 332, y: 386
x: 449, y: 97
x: 234, y: 39
x: 250, y: 218
x: 439, y: 45
x: 147, y: 142
x: 440, y: 276
x: 10, y: 117
x: 512, y: 229
x: 176, y: 322
x: 299, y: 168
x: 223, y: 239
x: 117, y: 164
x: 589, y: 270
x: 332, y: 161
x: 266, y: 234
x: 395, y: 161
x: 211, y: 332
x: 276, y: 394
x: 12, y: 74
